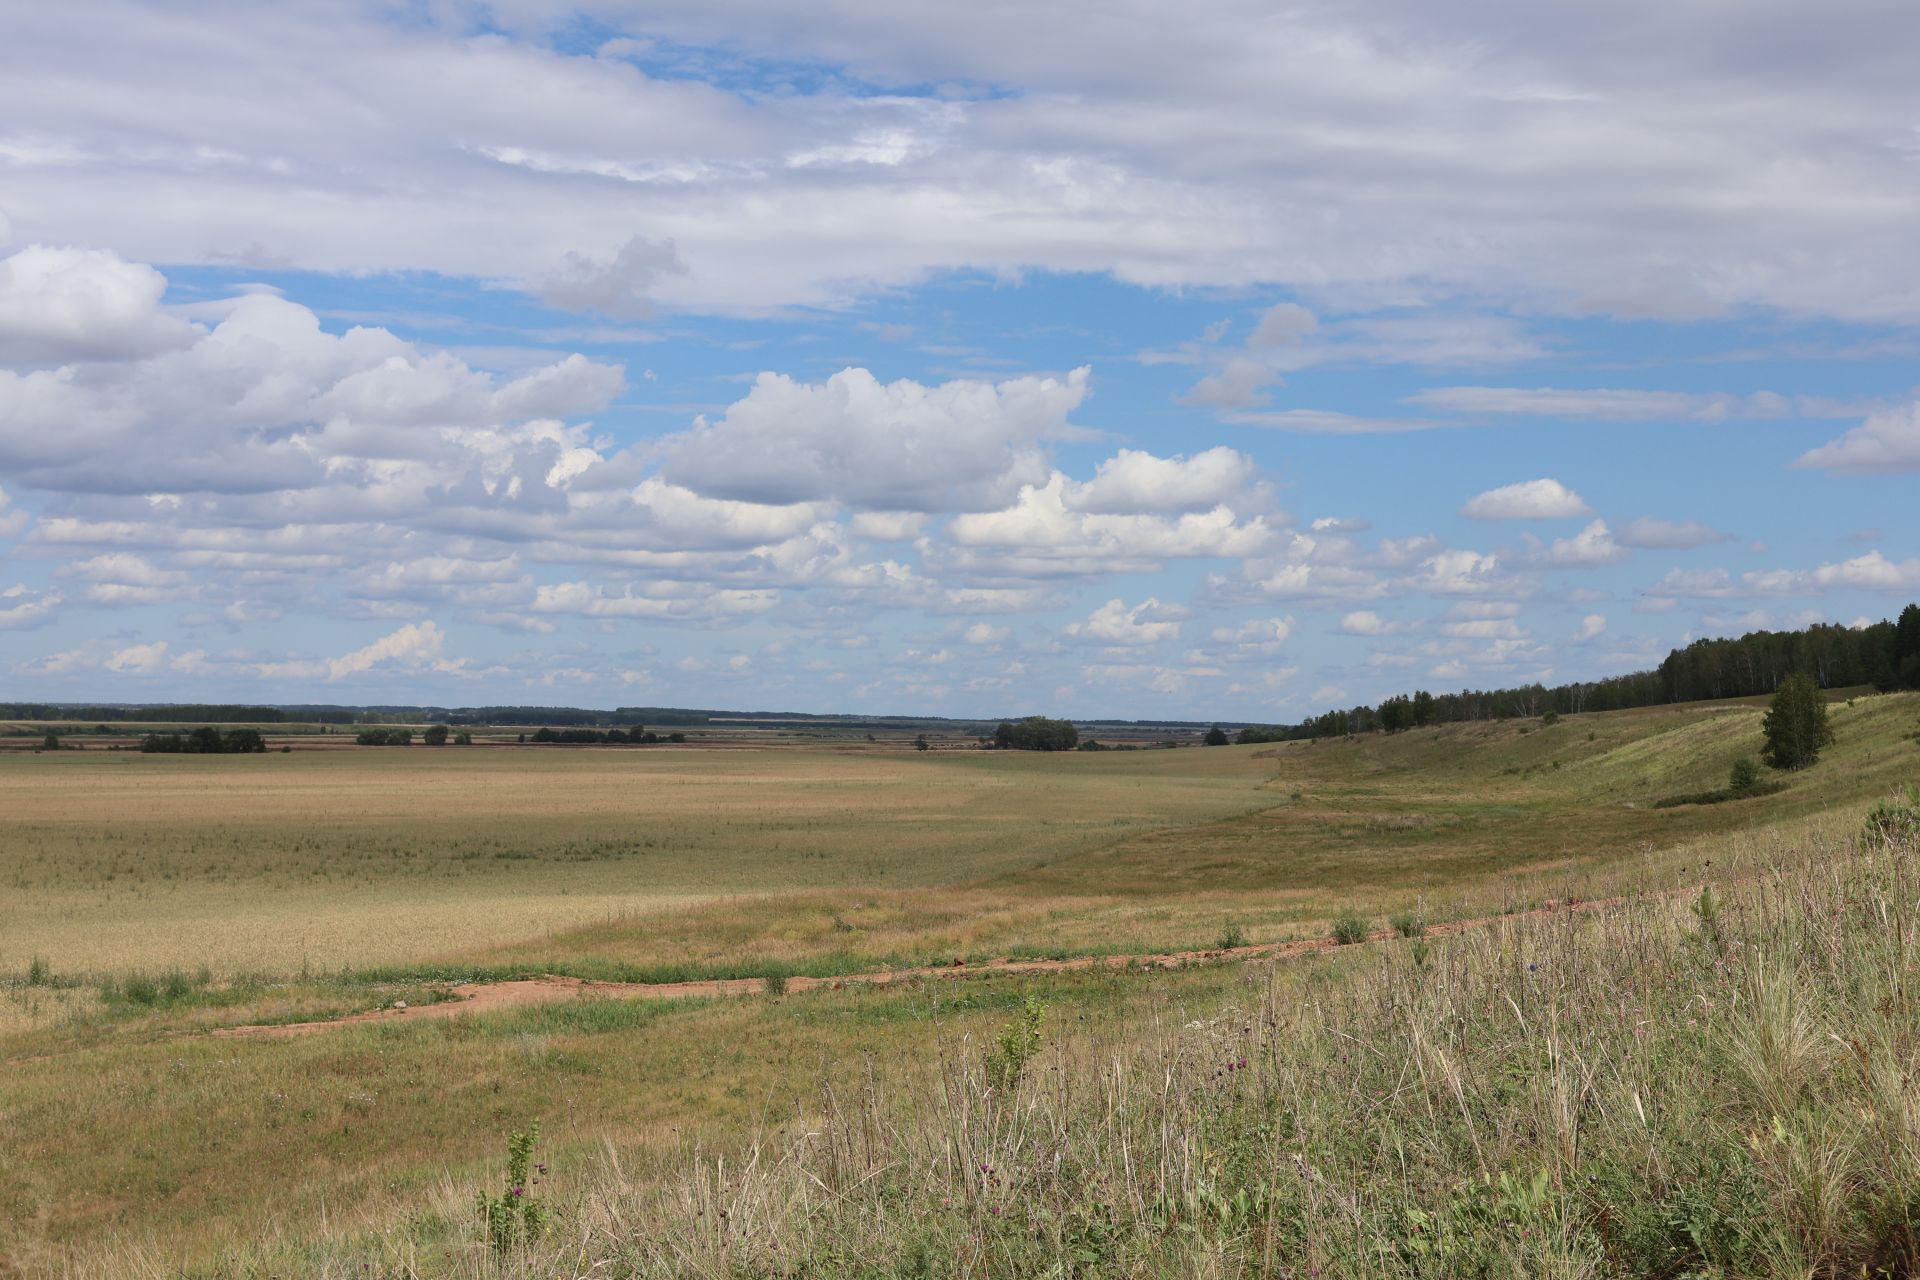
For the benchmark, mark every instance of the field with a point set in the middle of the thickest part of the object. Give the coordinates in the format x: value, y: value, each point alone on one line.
x: 152, y: 900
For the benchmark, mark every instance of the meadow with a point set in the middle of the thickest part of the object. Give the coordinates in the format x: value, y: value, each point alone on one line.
x: 151, y: 900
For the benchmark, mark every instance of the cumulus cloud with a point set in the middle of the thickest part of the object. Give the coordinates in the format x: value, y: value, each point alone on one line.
x: 1114, y: 623
x: 1591, y: 548
x: 1870, y: 572
x: 1886, y: 442
x: 1042, y: 529
x: 60, y: 306
x: 1591, y: 628
x: 1264, y: 634
x: 1529, y: 500
x: 1136, y: 481
x: 1365, y: 622
x: 22, y: 607
x: 898, y: 446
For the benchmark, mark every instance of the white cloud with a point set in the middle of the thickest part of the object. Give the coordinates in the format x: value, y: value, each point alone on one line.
x: 1409, y: 151
x: 416, y: 646
x: 1591, y: 628
x: 898, y: 446
x: 1668, y: 535
x: 987, y: 633
x: 1591, y: 548
x: 12, y: 519
x: 1262, y: 634
x: 1041, y: 533
x: 1543, y: 499
x: 1606, y: 404
x: 1870, y: 572
x: 58, y: 306
x: 139, y: 659
x: 1136, y: 481
x: 1113, y: 623
x: 21, y: 607
x: 1888, y: 441
x: 621, y: 287
x: 887, y: 526
x: 1365, y: 622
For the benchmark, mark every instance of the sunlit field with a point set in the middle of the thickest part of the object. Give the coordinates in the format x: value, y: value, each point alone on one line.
x: 150, y: 901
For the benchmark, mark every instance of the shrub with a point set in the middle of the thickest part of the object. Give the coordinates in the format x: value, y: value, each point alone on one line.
x: 384, y: 737
x: 39, y: 972
x: 1745, y: 775
x: 1408, y: 924
x: 50, y: 743
x: 435, y: 736
x: 1350, y: 927
x: 1897, y: 819
x: 1015, y: 1046
x: 1232, y: 938
x: 774, y: 984
x: 1550, y: 717
x: 1216, y: 737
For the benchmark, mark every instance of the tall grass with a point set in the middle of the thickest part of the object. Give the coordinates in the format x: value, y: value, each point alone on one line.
x: 1727, y: 1086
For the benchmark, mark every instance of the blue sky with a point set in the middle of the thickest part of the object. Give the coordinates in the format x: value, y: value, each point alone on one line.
x: 967, y: 360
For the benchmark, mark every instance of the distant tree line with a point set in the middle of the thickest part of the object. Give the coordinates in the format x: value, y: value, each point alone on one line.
x: 1885, y: 655
x: 173, y: 713
x: 205, y: 741
x: 638, y: 735
x: 1035, y: 733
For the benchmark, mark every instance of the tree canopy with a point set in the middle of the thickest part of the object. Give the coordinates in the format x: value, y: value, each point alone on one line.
x: 1796, y: 726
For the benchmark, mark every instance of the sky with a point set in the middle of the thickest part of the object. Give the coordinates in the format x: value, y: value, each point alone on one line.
x: 1223, y: 360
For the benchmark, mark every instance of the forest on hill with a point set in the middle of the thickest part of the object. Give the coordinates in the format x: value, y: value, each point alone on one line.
x: 1885, y: 654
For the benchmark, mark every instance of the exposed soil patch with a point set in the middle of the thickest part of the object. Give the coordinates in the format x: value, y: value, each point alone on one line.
x: 486, y: 997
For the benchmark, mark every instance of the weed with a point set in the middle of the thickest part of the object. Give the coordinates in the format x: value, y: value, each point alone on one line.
x: 1015, y: 1046
x: 1232, y: 938
x: 1350, y: 927
x: 517, y: 1215
x: 1408, y: 924
x: 39, y: 972
x: 774, y: 984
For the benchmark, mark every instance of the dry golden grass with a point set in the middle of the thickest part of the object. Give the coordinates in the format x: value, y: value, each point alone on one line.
x: 329, y: 859
x: 142, y: 1140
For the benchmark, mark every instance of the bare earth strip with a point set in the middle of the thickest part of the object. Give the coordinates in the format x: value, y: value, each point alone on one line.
x: 487, y: 997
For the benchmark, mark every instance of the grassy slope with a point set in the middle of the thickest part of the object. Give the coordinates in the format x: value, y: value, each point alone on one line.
x: 129, y: 1133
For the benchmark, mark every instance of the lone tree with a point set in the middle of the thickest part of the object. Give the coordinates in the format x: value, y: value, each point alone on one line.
x: 1216, y: 737
x: 435, y: 736
x: 921, y: 744
x: 1796, y: 726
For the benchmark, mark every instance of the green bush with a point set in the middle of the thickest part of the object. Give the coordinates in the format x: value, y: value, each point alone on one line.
x: 1745, y: 775
x: 1350, y: 927
x: 1232, y: 938
x: 1408, y: 924
x: 1015, y: 1046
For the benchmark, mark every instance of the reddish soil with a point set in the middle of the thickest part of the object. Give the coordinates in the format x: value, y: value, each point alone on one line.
x: 485, y: 997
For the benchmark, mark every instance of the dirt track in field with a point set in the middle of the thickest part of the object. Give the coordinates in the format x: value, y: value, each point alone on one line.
x: 488, y: 997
